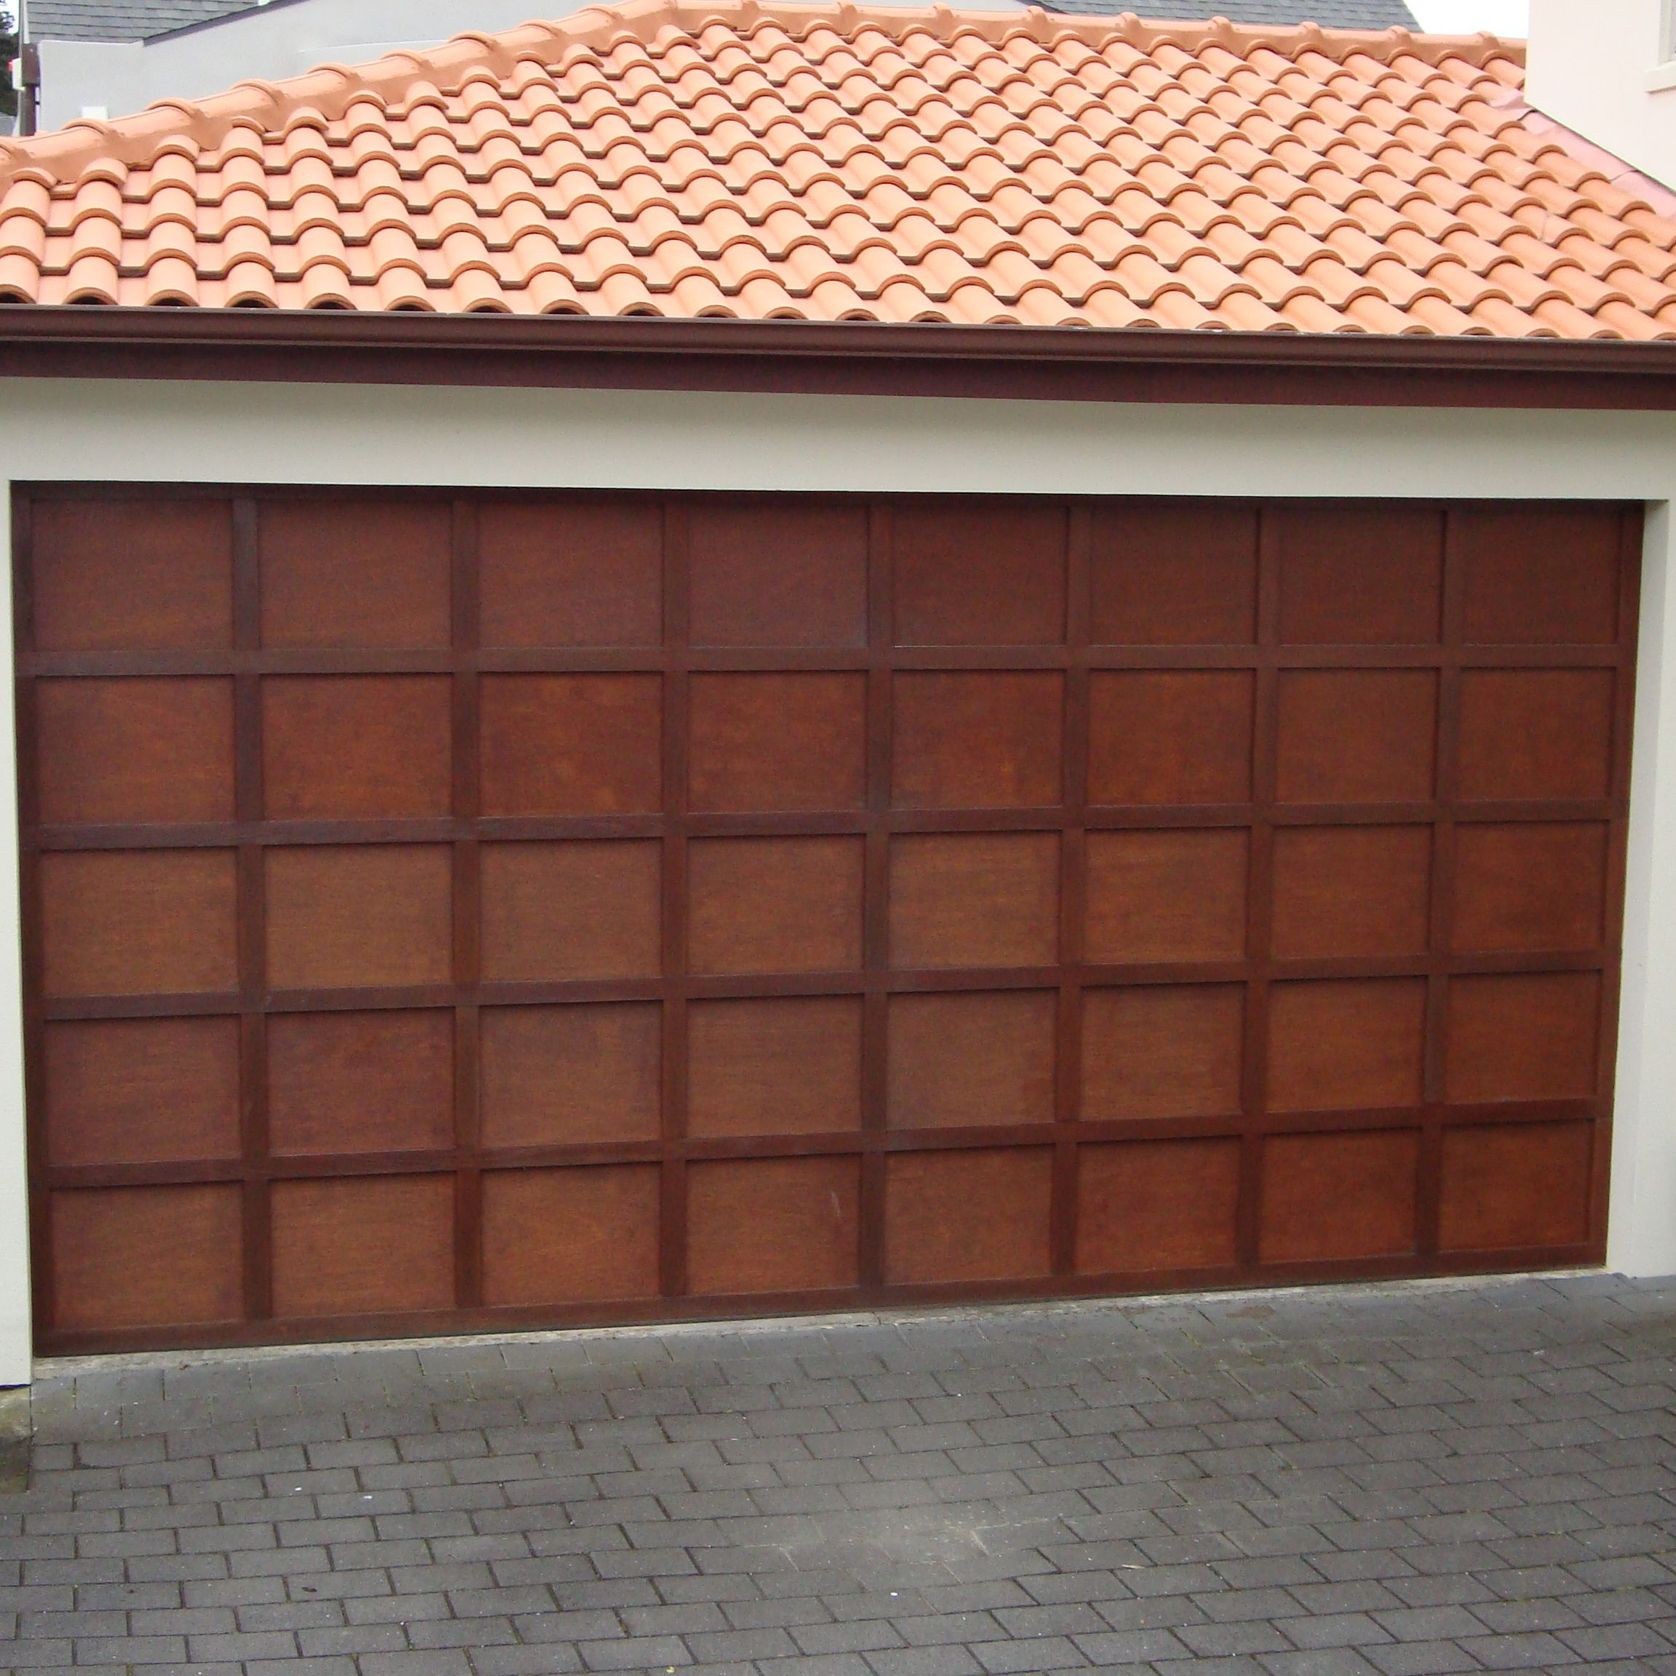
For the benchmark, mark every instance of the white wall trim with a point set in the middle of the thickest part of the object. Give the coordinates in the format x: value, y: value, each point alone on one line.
x: 93, y: 430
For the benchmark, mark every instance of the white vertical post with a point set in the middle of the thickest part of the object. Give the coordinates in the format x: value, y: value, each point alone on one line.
x: 1642, y: 1233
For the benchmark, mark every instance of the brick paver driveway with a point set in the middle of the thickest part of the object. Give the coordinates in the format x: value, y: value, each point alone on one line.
x: 1420, y: 1479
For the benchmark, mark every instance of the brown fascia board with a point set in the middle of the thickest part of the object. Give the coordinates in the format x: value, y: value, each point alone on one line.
x: 843, y: 358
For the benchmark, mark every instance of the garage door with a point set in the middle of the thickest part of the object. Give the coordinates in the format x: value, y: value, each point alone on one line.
x: 445, y: 911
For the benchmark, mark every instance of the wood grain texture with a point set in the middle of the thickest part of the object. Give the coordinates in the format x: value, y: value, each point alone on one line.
x: 1157, y: 1205
x: 1168, y: 574
x: 1166, y: 896
x: 963, y: 1060
x: 557, y: 1075
x: 572, y: 910
x: 131, y: 921
x: 767, y: 743
x: 113, y: 574
x: 362, y: 1245
x: 141, y: 1090
x: 772, y: 1225
x: 135, y: 751
x: 572, y: 573
x: 1352, y: 890
x: 789, y: 1065
x: 570, y: 1236
x: 354, y: 574
x: 146, y: 1256
x: 978, y: 1215
x: 570, y: 744
x: 360, y: 1082
x: 357, y: 917
x: 1339, y: 1197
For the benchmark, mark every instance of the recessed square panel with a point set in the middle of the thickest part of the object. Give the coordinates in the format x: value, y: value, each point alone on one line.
x: 1145, y: 1206
x: 1168, y: 736
x: 979, y: 573
x: 774, y: 904
x: 132, y: 575
x: 146, y: 1257
x: 980, y: 1215
x: 1166, y: 896
x: 1174, y: 573
x: 122, y: 922
x: 561, y: 1076
x: 791, y: 1065
x: 1166, y: 1050
x: 356, y: 573
x: 1352, y: 1043
x: 780, y: 572
x: 570, y: 572
x: 354, y: 917
x: 1544, y: 574
x: 1529, y: 887
x: 571, y: 910
x: 570, y: 1236
x: 1359, y: 573
x: 361, y: 747
x: 966, y: 1059
x: 571, y: 744
x: 1336, y: 1197
x: 772, y: 1225
x: 1523, y: 1036
x: 1512, y: 1186
x: 140, y: 1090
x: 766, y: 743
x: 1357, y: 736
x: 1351, y: 890
x: 1536, y: 733
x: 144, y: 750
x: 977, y: 740
x: 360, y: 1082
x: 974, y: 899
x: 363, y: 1245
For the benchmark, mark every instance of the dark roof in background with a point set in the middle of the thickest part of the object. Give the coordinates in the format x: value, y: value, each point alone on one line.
x: 134, y: 20
x: 122, y: 20
x: 1330, y: 14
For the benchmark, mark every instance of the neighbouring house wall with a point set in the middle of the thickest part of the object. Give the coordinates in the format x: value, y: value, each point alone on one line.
x: 1607, y: 70
x: 91, y: 430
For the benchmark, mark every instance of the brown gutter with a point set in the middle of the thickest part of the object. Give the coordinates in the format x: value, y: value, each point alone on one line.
x: 858, y: 358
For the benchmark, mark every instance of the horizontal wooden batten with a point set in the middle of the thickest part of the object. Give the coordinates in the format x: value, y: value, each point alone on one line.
x: 1017, y: 1136
x: 746, y: 660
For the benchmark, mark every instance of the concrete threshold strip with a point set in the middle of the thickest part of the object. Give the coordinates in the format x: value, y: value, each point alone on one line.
x: 72, y: 1367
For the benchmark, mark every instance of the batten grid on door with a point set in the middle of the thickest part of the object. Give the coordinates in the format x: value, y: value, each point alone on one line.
x: 563, y: 917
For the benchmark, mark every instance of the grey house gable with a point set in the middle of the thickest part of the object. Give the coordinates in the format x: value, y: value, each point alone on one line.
x: 1330, y: 14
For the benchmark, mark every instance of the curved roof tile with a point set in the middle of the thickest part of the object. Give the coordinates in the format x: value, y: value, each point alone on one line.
x: 786, y: 161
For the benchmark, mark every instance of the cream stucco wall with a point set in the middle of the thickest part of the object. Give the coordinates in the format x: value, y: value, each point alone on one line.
x: 90, y: 430
x: 1607, y: 69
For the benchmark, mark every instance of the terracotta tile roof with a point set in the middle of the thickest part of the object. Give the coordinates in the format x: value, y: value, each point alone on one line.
x: 834, y: 163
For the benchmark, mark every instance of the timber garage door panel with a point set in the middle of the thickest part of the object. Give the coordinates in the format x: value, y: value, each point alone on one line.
x: 449, y: 910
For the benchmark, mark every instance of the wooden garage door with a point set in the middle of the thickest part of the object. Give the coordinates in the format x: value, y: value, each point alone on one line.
x: 444, y: 911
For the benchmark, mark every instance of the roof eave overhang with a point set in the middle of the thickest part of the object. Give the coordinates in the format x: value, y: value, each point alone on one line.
x: 842, y: 358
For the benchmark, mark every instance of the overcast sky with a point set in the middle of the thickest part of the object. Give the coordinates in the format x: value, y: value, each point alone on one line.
x: 1466, y: 17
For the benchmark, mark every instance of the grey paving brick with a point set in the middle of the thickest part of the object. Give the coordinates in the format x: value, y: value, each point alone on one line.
x: 1407, y: 1481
